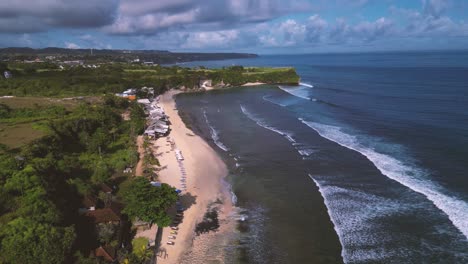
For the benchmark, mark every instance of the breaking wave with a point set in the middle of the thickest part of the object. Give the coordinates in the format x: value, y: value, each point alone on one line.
x: 299, y: 91
x: 306, y: 85
x: 214, y: 133
x: 409, y: 176
x: 302, y: 149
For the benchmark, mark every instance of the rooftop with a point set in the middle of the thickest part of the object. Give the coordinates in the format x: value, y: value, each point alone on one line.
x: 104, y: 215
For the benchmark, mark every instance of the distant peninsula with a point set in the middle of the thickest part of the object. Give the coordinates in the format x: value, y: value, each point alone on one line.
x: 58, y: 76
x: 111, y: 55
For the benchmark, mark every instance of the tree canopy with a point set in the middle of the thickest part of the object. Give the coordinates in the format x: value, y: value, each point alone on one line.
x: 43, y: 182
x: 27, y: 241
x: 149, y: 203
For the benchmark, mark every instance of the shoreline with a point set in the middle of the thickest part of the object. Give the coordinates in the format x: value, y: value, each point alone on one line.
x: 205, y: 172
x: 253, y: 84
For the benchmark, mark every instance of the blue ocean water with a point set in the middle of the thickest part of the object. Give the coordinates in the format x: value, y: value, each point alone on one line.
x: 382, y: 137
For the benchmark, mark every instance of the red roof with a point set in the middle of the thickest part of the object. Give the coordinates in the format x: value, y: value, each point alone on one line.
x: 105, y: 252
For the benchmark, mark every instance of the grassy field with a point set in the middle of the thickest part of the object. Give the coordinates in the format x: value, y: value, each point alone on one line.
x: 31, y: 102
x: 17, y: 135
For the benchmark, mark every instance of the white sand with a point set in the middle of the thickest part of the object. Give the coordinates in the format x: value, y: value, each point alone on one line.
x: 253, y: 84
x: 204, y: 170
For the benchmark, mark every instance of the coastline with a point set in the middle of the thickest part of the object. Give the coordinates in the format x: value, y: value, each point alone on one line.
x: 204, y: 185
x: 253, y: 84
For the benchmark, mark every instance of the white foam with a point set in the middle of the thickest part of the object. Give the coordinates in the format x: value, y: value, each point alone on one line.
x: 356, y: 219
x: 228, y: 189
x: 332, y: 218
x: 411, y: 177
x: 214, y: 134
x: 305, y: 152
x: 301, y: 149
x: 300, y: 92
x: 306, y: 85
x: 260, y: 122
x: 271, y: 101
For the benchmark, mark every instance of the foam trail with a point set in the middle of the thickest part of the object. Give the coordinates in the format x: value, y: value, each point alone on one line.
x: 300, y: 92
x: 306, y: 85
x: 260, y: 122
x: 455, y: 209
x: 335, y: 224
x: 288, y: 135
x: 228, y: 188
x: 214, y: 134
x: 271, y: 101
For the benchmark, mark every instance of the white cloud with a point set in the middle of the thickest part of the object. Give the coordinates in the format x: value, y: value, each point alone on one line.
x: 370, y: 31
x: 435, y: 8
x: 86, y: 37
x: 284, y: 34
x: 70, y: 45
x: 22, y: 16
x: 153, y: 17
x: 224, y: 24
x: 430, y: 21
x: 316, y: 26
x: 217, y: 39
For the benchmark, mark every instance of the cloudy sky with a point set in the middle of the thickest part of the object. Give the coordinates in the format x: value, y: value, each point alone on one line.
x: 261, y: 26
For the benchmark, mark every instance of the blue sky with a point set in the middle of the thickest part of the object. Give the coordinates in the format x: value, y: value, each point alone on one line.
x: 259, y: 26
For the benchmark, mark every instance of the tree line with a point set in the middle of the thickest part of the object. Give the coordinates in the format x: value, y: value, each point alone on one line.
x: 38, y: 79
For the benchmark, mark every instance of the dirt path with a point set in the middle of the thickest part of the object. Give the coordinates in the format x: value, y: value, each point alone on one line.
x: 141, y: 152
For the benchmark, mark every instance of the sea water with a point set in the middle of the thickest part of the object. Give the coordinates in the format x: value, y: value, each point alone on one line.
x: 364, y: 162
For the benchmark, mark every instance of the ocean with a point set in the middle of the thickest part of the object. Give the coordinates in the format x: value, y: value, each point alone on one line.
x: 364, y: 162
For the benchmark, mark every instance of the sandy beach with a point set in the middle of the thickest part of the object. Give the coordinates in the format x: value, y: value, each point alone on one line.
x: 253, y: 84
x: 204, y: 172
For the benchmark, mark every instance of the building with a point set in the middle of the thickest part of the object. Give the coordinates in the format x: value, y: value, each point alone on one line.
x: 107, y: 220
x: 155, y: 183
x: 143, y: 101
x: 106, y: 215
x: 203, y: 83
x: 130, y: 94
x: 107, y: 253
x: 7, y: 74
x: 88, y: 203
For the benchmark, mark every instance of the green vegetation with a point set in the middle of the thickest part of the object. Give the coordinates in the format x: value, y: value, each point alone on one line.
x: 149, y: 203
x: 107, y: 55
x: 140, y: 252
x: 23, y: 120
x: 238, y: 75
x: 114, y: 78
x: 29, y: 241
x: 43, y: 182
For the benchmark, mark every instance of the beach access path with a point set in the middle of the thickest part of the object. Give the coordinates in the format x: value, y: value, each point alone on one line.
x: 204, y: 172
x: 141, y: 159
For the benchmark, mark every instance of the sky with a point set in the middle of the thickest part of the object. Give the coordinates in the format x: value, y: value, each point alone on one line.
x: 256, y: 26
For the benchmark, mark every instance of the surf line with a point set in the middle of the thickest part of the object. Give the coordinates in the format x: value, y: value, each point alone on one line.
x: 455, y: 209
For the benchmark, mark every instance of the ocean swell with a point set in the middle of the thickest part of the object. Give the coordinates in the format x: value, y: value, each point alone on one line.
x: 300, y: 92
x: 302, y: 149
x: 411, y: 177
